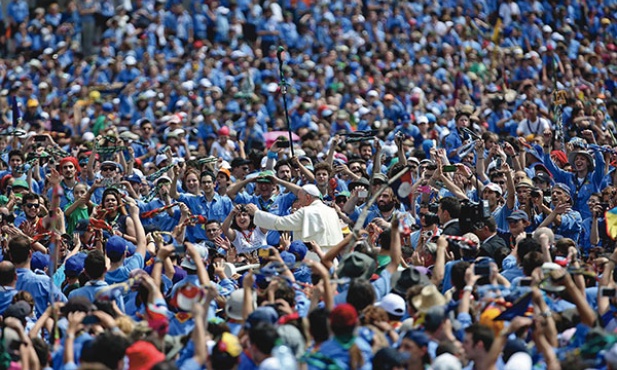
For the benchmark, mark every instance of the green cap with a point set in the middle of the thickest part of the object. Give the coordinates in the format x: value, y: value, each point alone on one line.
x: 19, y: 183
x: 264, y: 177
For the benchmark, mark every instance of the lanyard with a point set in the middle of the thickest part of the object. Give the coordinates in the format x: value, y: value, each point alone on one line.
x: 537, y: 128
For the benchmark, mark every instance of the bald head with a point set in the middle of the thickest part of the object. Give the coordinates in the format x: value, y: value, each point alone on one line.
x: 8, y: 275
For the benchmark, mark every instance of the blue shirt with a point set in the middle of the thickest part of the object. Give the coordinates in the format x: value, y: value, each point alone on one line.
x: 6, y: 297
x: 89, y: 290
x: 216, y: 209
x: 278, y: 204
x: 581, y: 191
x: 162, y: 221
x: 121, y: 274
x: 38, y: 286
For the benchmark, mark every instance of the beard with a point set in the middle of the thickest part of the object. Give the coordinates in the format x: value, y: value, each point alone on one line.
x: 386, y: 207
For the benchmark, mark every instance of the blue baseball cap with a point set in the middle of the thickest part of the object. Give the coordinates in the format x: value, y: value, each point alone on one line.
x: 134, y: 178
x: 74, y: 265
x: 261, y: 314
x: 288, y: 258
x: 39, y: 260
x: 116, y: 246
x: 299, y: 249
x: 418, y: 337
x: 82, y: 225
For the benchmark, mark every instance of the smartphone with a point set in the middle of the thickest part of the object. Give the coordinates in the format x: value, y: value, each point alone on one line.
x: 499, y: 163
x: 449, y: 168
x: 282, y: 143
x: 263, y: 253
x: 90, y: 320
x: 40, y: 138
x: 424, y: 189
x: 525, y: 282
x: 363, y: 193
x: 607, y: 292
x: 482, y: 270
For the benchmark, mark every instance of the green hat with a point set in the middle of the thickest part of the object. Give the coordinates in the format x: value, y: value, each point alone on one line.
x: 19, y: 183
x: 264, y: 177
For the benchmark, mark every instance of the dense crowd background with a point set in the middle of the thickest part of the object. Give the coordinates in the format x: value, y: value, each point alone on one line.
x: 154, y: 214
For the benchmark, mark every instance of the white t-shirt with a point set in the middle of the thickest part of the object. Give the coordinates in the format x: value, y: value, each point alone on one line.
x: 248, y: 241
x: 527, y: 127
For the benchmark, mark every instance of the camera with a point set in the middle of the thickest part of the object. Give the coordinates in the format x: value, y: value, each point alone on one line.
x: 535, y: 193
x: 482, y: 270
x: 473, y: 215
x: 430, y: 218
x: 607, y: 292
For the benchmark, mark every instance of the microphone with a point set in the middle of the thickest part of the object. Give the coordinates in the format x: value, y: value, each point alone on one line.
x: 279, y: 53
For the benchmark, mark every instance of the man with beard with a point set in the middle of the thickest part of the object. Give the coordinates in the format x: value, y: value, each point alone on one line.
x: 68, y: 168
x: 283, y: 172
x: 33, y: 224
x: 386, y: 207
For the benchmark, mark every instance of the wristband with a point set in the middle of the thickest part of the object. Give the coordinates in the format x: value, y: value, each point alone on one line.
x: 547, y: 314
x: 468, y: 288
x: 157, y: 260
x: 272, y: 155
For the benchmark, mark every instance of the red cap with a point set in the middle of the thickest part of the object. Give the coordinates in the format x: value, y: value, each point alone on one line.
x: 344, y: 315
x: 143, y: 355
x: 561, y: 156
x: 74, y: 161
x: 224, y: 131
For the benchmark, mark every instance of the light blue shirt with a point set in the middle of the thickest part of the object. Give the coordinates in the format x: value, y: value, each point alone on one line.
x: 38, y: 286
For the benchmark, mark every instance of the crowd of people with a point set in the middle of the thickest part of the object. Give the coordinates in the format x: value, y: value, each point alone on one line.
x: 320, y: 185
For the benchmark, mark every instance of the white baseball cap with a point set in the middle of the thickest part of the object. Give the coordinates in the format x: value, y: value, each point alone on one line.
x: 393, y: 304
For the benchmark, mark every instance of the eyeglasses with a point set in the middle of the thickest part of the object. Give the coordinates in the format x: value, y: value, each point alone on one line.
x: 108, y: 168
x: 32, y: 205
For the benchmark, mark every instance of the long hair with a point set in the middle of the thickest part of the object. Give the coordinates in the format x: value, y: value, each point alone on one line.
x: 235, y: 226
x: 115, y: 193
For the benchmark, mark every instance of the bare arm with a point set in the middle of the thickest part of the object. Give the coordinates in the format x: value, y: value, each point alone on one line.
x: 226, y: 226
x: 395, y: 246
x: 328, y: 259
x: 236, y: 188
x: 440, y: 261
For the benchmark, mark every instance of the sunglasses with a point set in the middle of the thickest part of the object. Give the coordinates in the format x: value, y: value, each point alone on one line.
x: 32, y: 205
x: 108, y: 168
